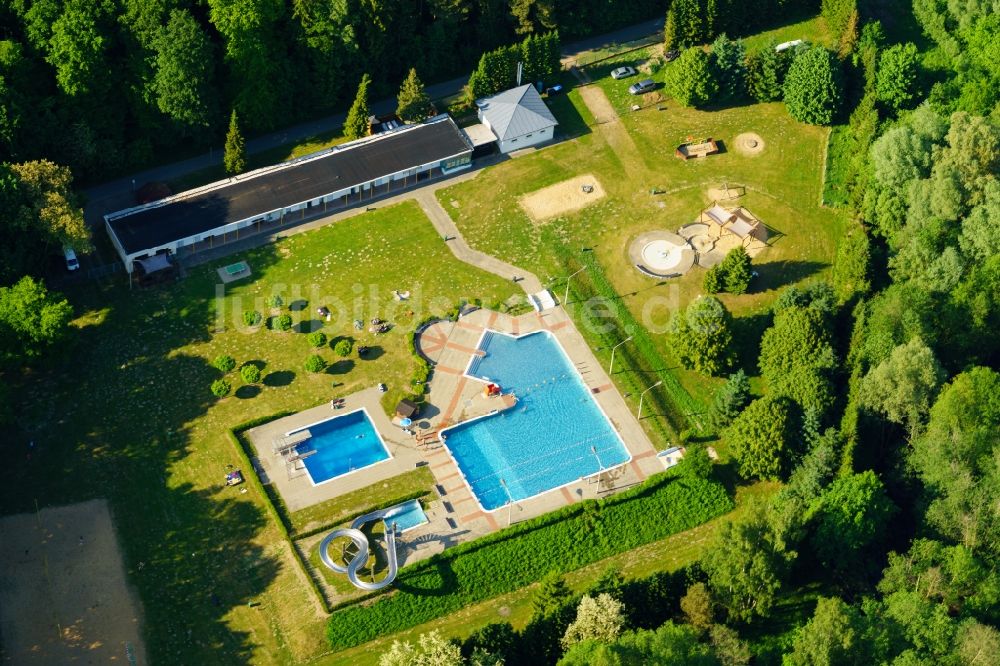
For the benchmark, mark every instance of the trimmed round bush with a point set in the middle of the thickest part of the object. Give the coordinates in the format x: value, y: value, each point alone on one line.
x: 315, y: 363
x: 221, y: 388
x: 251, y: 318
x: 250, y: 373
x: 224, y: 362
x: 317, y: 339
x: 284, y: 322
x: 275, y: 301
x: 343, y: 347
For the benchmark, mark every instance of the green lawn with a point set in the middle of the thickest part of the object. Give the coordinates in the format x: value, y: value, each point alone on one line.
x: 667, y: 554
x: 782, y: 187
x: 128, y: 415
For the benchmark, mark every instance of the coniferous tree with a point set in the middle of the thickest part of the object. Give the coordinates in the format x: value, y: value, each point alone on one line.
x: 412, y: 103
x: 356, y: 124
x: 235, y: 157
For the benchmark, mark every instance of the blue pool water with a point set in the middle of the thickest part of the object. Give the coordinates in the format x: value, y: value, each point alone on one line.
x: 342, y: 444
x: 408, y: 516
x: 554, y: 435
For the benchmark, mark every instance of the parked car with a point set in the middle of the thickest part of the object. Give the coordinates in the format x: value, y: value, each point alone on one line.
x: 71, y: 261
x: 622, y: 72
x: 670, y: 56
x: 642, y: 87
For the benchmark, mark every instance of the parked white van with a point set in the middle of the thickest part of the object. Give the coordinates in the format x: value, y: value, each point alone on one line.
x: 71, y: 261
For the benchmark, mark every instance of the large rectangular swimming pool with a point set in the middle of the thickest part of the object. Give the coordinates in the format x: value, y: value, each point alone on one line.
x: 340, y: 445
x: 554, y: 435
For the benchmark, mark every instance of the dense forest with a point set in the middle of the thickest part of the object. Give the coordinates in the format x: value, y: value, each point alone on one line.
x: 104, y: 86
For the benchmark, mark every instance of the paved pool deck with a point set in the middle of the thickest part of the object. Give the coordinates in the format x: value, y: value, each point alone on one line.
x: 298, y: 491
x: 457, y: 398
x: 455, y: 515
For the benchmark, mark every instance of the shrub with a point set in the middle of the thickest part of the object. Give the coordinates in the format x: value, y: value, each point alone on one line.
x: 343, y: 347
x: 315, y: 363
x: 317, y: 339
x: 224, y: 363
x: 284, y: 323
x: 495, y: 565
x: 221, y: 388
x: 813, y: 87
x: 690, y: 80
x: 252, y: 318
x: 714, y: 280
x: 275, y: 301
x: 250, y: 373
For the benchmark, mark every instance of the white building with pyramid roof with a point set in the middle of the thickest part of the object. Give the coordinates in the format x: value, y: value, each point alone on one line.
x: 518, y: 117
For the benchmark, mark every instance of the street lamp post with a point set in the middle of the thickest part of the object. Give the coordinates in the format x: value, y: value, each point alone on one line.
x: 600, y: 465
x: 510, y: 500
x: 566, y: 295
x: 643, y: 395
x: 611, y: 367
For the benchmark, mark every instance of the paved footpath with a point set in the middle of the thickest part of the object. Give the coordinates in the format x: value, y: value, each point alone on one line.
x: 447, y: 228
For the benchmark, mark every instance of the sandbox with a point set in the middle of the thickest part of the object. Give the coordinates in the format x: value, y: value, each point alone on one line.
x: 568, y: 196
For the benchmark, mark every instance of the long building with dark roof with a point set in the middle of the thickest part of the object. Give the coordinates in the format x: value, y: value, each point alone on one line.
x: 255, y: 201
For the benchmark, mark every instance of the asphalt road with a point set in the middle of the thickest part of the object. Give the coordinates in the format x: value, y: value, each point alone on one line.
x: 117, y: 194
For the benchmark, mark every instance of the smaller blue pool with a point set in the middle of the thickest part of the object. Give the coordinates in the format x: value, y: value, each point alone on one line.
x: 340, y: 445
x: 407, y: 516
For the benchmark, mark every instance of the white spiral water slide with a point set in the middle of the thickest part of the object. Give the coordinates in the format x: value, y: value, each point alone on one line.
x: 361, y: 557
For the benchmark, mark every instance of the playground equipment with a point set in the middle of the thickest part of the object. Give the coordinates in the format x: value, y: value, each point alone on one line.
x: 361, y: 541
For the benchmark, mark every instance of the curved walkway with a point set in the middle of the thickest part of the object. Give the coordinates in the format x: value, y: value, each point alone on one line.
x: 445, y: 226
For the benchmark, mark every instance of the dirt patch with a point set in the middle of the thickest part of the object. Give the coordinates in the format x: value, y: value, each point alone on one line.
x: 63, y: 594
x: 749, y: 144
x: 565, y: 197
x: 723, y: 193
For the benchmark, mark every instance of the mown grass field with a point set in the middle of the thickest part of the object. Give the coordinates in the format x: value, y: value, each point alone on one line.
x: 782, y: 187
x: 128, y: 415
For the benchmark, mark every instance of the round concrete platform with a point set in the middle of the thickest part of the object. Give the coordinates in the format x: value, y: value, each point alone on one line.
x: 661, y: 254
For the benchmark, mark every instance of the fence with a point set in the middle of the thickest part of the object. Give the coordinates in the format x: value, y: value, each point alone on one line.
x: 589, y: 58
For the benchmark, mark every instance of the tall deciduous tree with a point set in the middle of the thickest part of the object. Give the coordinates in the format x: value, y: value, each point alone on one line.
x: 746, y: 567
x: 260, y: 74
x: 834, y: 635
x: 701, y: 335
x: 234, y: 159
x: 903, y: 386
x: 356, y: 124
x: 597, y: 618
x: 690, y: 79
x: 183, y: 81
x: 78, y: 46
x: 32, y: 320
x: 761, y: 438
x: 432, y: 650
x: 412, y: 102
x: 814, y: 88
x: 896, y: 78
x: 852, y: 516
x: 956, y: 458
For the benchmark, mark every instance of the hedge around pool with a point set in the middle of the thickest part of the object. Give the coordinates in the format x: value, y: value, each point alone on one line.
x: 513, y: 558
